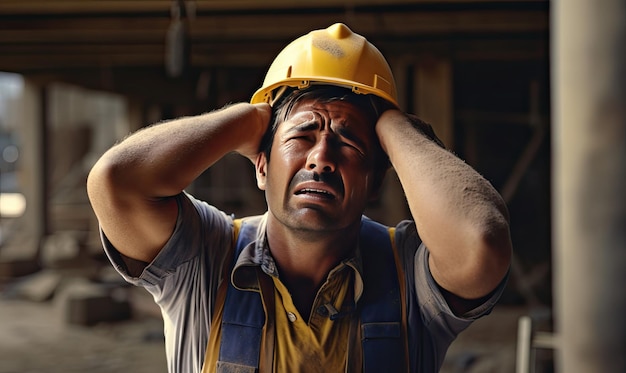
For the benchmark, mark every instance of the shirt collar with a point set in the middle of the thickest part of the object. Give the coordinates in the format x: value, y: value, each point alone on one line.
x: 257, y: 255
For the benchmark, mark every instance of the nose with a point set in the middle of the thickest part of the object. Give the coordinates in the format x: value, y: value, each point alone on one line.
x: 322, y: 156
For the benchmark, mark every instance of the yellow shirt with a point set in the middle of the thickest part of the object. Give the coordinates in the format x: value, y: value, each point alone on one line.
x: 320, y: 343
x: 302, y: 346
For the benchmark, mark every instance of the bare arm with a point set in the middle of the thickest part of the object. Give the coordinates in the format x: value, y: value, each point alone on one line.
x: 132, y: 187
x: 459, y: 215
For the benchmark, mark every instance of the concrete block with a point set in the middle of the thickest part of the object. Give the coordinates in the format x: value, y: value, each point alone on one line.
x: 38, y: 287
x: 61, y: 247
x: 18, y: 257
x: 17, y: 267
x: 91, y: 310
x: 85, y: 303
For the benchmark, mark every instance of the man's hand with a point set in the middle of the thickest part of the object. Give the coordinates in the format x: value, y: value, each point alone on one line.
x: 258, y: 125
x: 421, y: 126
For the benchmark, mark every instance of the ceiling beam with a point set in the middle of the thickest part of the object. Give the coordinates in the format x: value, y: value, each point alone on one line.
x: 120, y: 45
x: 144, y: 30
x: 82, y: 7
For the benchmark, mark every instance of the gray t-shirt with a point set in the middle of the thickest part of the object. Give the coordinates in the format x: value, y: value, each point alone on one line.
x: 185, y: 276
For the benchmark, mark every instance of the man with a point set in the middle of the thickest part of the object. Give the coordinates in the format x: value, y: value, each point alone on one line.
x: 312, y: 285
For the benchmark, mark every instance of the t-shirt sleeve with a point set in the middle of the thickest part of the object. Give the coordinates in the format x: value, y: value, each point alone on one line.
x: 202, y: 232
x: 432, y: 303
x: 438, y: 320
x: 183, y: 279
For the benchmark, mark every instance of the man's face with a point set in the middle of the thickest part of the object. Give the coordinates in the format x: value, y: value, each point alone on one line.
x: 321, y: 171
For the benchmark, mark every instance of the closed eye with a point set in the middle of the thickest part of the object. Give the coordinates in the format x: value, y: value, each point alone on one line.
x: 353, y: 146
x: 303, y: 137
x: 350, y: 144
x: 350, y: 139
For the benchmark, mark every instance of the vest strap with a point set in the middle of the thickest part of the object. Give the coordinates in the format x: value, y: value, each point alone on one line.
x: 243, y: 319
x: 267, y: 345
x: 381, y: 307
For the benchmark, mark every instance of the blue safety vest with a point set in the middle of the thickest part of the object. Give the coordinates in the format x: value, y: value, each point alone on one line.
x: 380, y: 312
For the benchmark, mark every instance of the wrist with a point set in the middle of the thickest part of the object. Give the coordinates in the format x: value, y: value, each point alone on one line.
x: 405, y: 125
x: 252, y: 124
x: 392, y: 126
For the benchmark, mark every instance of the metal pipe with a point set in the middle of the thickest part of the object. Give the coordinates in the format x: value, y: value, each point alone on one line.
x: 524, y: 345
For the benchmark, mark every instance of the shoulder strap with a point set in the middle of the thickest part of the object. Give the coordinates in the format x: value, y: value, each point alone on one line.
x: 243, y: 319
x: 383, y: 320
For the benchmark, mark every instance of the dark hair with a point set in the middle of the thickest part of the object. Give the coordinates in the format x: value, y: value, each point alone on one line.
x: 371, y: 106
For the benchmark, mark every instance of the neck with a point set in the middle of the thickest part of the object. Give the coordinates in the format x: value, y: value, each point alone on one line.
x: 304, y: 259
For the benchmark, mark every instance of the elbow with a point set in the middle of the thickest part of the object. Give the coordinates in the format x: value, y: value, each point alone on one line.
x: 479, y: 263
x: 100, y: 185
x: 490, y: 237
x: 95, y: 178
x: 497, y: 237
x: 487, y: 260
x: 472, y: 262
x: 491, y: 232
x: 109, y: 182
x: 494, y: 254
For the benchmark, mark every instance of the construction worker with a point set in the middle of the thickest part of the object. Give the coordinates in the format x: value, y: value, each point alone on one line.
x: 311, y: 285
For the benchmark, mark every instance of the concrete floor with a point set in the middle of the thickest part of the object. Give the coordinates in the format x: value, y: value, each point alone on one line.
x: 35, y: 339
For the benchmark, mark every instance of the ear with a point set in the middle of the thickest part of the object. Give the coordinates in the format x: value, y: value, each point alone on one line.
x: 261, y: 170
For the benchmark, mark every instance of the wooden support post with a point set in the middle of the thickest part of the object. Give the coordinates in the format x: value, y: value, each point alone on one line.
x: 433, y: 99
x: 589, y: 142
x: 19, y: 256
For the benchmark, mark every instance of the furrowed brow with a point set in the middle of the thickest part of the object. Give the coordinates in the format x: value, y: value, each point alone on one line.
x: 304, y: 127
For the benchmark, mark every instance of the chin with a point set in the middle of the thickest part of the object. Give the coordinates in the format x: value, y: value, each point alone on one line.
x: 315, y: 220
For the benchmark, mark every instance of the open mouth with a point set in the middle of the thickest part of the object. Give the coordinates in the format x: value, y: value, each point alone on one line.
x: 315, y: 192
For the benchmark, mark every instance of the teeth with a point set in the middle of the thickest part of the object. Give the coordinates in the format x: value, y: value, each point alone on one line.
x: 314, y: 191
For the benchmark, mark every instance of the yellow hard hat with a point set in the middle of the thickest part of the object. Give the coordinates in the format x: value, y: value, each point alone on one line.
x: 334, y: 56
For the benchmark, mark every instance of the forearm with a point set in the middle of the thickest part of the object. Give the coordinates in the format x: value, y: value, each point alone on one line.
x: 460, y: 217
x: 133, y: 185
x: 163, y: 159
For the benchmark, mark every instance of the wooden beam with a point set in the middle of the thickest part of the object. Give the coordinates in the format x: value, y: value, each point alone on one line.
x: 84, y: 41
x: 433, y: 96
x: 254, y: 27
x: 36, y: 7
x: 25, y: 59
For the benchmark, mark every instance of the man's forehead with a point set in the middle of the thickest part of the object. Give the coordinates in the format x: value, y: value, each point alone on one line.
x: 335, y: 109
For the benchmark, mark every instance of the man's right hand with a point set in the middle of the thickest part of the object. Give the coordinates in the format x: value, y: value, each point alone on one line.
x: 250, y: 149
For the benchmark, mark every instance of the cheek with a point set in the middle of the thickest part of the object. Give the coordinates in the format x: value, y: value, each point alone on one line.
x: 362, y: 176
x: 292, y: 150
x: 361, y: 182
x: 290, y: 157
x: 279, y: 174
